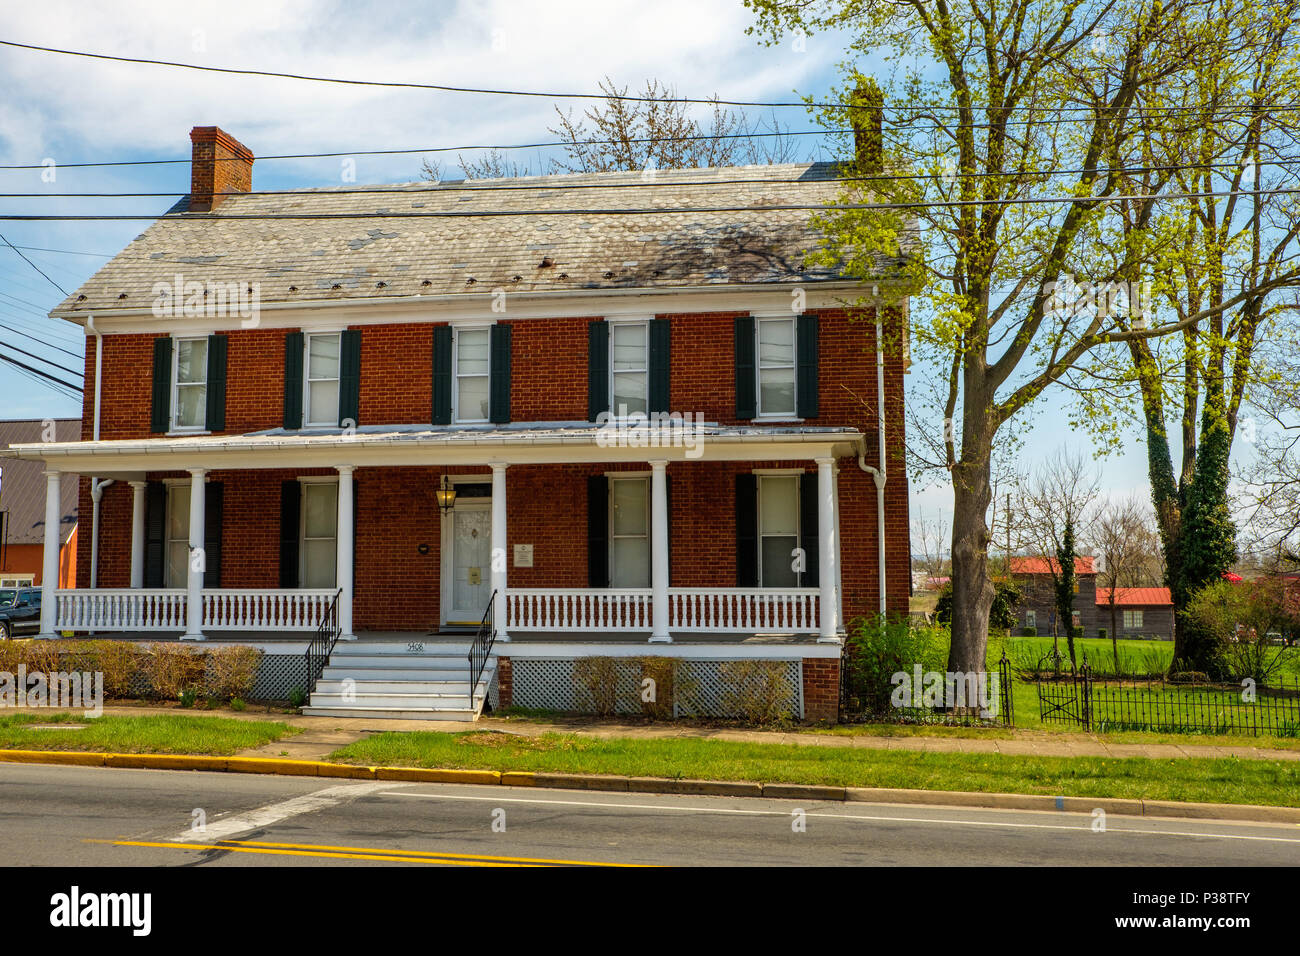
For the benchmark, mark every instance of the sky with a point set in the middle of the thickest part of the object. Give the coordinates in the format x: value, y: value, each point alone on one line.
x: 73, y: 110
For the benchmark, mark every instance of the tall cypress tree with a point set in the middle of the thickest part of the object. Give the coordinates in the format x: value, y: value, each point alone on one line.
x: 1065, y: 584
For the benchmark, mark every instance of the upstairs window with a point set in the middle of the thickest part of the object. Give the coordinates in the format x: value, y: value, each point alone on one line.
x: 776, y: 368
x: 321, y: 381
x: 190, y: 384
x: 629, y: 367
x: 473, y: 375
x: 777, y: 374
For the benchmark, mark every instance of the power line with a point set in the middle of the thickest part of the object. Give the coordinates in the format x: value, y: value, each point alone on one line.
x: 74, y: 389
x: 35, y: 266
x: 33, y: 355
x: 28, y: 335
x: 647, y: 210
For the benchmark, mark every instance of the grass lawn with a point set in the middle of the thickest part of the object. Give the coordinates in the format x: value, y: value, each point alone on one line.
x: 217, y: 736
x: 1274, y: 783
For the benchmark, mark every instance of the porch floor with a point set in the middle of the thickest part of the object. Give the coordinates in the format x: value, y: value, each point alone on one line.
x: 528, y: 637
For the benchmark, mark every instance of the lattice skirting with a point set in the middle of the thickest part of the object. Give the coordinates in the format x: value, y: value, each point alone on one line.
x: 698, y: 688
x: 277, y: 677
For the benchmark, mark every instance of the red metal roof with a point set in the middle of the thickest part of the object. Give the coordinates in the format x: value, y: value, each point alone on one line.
x: 1082, y: 565
x: 1134, y: 597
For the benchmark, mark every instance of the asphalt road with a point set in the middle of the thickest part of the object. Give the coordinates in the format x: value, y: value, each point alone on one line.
x: 72, y: 816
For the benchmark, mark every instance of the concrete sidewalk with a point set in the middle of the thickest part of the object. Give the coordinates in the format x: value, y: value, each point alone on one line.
x: 321, y: 736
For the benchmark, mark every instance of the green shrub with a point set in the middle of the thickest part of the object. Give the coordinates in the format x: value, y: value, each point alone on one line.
x: 1102, y: 633
x: 237, y: 703
x: 1077, y: 632
x: 1029, y: 632
x: 877, y: 650
x: 297, y: 697
x: 188, y: 696
x: 1002, y: 615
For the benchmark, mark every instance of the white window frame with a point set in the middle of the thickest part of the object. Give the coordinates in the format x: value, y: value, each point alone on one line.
x: 1031, y: 618
x: 456, y: 376
x: 644, y: 478
x: 302, y: 525
x: 793, y: 414
x: 798, y: 525
x: 18, y: 581
x: 174, y: 424
x: 170, y: 485
x: 644, y: 323
x: 1132, y: 618
x: 307, y: 380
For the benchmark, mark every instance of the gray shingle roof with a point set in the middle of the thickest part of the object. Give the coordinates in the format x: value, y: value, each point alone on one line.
x: 22, y: 483
x: 342, y: 258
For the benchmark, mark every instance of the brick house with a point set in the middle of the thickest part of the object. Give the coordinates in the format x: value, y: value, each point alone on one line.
x: 416, y: 408
x: 22, y: 506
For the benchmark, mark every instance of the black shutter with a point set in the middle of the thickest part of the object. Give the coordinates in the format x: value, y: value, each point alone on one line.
x: 155, y: 534
x: 808, y: 527
x: 442, y: 375
x: 293, y: 346
x: 499, y: 390
x: 290, y: 505
x: 746, y: 394
x: 597, y: 531
x: 162, y: 385
x: 658, y: 365
x: 806, y: 373
x: 746, y: 531
x: 350, y: 377
x: 213, y: 506
x: 597, y: 369
x: 216, y: 411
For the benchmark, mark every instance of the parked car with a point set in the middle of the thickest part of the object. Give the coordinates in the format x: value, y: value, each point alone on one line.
x: 22, y: 615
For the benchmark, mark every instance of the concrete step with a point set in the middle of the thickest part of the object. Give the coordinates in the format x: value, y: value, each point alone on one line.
x: 390, y: 713
x: 341, y: 671
x: 412, y: 701
x: 392, y: 661
x: 397, y: 686
x: 402, y: 648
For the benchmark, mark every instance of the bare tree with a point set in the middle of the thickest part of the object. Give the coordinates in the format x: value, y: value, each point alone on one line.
x: 931, y: 535
x: 1123, y: 534
x: 1271, y: 478
x: 493, y: 165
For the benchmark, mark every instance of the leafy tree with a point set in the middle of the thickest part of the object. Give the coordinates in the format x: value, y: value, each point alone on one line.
x: 1066, y: 579
x: 1006, y: 599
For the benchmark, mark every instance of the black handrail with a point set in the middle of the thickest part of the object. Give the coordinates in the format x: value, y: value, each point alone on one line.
x: 481, y: 649
x: 322, y: 644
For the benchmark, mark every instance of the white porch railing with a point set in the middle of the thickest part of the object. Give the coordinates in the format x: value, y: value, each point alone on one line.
x: 164, y: 609
x: 280, y: 609
x: 698, y: 610
x: 778, y: 610
x: 120, y: 609
x: 578, y: 609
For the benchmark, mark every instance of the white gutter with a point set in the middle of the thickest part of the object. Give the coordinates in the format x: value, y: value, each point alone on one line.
x: 878, y: 475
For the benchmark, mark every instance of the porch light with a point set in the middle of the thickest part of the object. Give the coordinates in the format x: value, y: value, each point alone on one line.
x: 446, y: 495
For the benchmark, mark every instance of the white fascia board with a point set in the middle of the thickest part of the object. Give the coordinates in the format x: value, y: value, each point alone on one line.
x: 713, y: 651
x: 310, y: 315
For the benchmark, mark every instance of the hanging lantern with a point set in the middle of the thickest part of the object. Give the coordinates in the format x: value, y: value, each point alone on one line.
x: 446, y: 495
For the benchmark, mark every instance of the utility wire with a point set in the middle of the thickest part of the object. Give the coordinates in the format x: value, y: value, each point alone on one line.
x: 28, y: 335
x: 75, y: 389
x: 33, y: 355
x: 35, y: 266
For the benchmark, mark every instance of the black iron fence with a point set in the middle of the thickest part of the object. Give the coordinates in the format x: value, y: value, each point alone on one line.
x: 1075, y: 697
x: 322, y: 642
x: 481, y: 649
x: 916, y: 695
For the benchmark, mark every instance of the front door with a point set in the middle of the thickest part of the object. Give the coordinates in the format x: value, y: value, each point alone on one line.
x: 467, y: 562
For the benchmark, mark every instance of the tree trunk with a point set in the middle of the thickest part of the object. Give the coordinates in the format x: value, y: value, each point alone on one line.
x: 972, y: 590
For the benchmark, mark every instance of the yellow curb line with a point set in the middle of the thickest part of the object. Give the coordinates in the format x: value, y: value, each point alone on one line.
x: 664, y: 785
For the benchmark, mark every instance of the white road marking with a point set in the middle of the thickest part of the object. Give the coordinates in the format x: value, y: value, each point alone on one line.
x: 1083, y: 827
x: 223, y: 829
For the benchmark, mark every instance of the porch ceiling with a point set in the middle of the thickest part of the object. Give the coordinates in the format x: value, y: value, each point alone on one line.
x: 382, y: 445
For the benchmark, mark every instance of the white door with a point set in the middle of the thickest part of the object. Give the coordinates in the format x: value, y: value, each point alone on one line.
x: 467, y: 562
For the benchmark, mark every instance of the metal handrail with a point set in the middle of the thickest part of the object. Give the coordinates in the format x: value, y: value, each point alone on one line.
x: 322, y: 643
x: 481, y: 649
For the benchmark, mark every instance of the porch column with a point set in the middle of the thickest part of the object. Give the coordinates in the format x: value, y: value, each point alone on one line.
x: 839, y: 560
x: 137, y: 533
x: 343, y: 555
x: 659, y: 552
x: 826, y: 534
x: 198, y: 562
x: 500, y: 560
x: 50, y: 564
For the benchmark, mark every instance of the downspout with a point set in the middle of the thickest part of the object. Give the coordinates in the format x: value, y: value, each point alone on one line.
x: 878, y: 474
x: 96, y: 486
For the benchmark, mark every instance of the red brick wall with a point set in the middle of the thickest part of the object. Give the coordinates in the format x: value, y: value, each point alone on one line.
x: 821, y: 688
x: 505, y: 683
x: 396, y: 586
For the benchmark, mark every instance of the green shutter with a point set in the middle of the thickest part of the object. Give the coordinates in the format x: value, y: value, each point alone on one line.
x: 293, y: 346
x: 213, y: 506
x: 216, y: 412
x: 350, y: 378
x: 659, y: 391
x: 499, y: 389
x: 746, y: 395
x: 155, y: 534
x: 808, y: 528
x: 162, y: 385
x: 806, y: 373
x: 442, y: 375
x: 597, y: 531
x: 746, y: 531
x: 597, y: 369
x: 290, y: 505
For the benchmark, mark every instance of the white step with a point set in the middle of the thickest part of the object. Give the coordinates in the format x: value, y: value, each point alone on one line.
x: 338, y: 672
x: 391, y: 713
x: 396, y: 686
x: 402, y: 648
x: 444, y: 662
x: 411, y: 701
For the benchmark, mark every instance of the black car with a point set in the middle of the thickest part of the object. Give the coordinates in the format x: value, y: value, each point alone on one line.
x: 23, y: 615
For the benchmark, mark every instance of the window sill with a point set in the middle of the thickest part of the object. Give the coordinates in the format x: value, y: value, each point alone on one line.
x: 777, y: 420
x: 186, y: 433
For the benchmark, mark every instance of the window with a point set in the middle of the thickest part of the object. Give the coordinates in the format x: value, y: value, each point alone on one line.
x: 1132, y: 619
x: 178, y: 535
x: 473, y: 378
x: 321, y: 382
x: 1076, y: 619
x: 1031, y: 619
x: 629, y: 533
x: 190, y: 384
x: 629, y: 367
x: 778, y: 530
x: 319, y: 551
x: 776, y: 365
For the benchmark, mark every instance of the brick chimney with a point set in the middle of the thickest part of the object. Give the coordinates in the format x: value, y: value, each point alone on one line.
x: 220, y: 164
